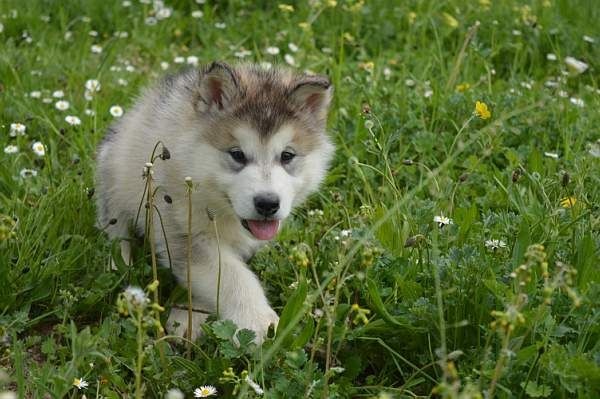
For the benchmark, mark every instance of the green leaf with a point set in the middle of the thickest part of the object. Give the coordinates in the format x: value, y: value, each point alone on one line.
x: 294, y: 306
x: 305, y: 335
x: 224, y: 329
x: 245, y: 337
x: 379, y: 307
x: 534, y: 390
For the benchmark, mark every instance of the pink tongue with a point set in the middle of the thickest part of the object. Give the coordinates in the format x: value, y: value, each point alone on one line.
x: 263, y: 229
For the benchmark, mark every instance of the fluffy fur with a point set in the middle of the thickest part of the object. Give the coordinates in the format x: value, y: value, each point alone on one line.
x: 203, y: 117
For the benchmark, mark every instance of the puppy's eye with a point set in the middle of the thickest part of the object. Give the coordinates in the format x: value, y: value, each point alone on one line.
x: 286, y: 157
x: 238, y: 155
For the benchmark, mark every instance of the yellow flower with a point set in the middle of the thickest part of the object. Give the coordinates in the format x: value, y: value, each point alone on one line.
x: 331, y: 3
x: 482, y: 110
x: 367, y: 66
x: 304, y: 25
x: 485, y: 3
x: 411, y: 17
x: 450, y: 20
x: 568, y: 202
x: 348, y: 37
x: 463, y: 87
x: 286, y: 7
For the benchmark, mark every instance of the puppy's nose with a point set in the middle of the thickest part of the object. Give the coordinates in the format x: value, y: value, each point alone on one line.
x: 266, y: 204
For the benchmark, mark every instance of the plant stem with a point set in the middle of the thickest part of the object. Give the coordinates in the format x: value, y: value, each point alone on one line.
x: 189, y: 273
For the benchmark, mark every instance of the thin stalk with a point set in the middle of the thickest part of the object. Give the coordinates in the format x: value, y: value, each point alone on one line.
x: 214, y: 220
x: 140, y: 356
x: 189, y: 271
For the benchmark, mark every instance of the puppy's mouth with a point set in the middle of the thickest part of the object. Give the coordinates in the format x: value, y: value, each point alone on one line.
x: 261, y: 229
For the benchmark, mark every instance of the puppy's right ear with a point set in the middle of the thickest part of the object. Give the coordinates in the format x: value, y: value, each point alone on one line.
x: 218, y: 86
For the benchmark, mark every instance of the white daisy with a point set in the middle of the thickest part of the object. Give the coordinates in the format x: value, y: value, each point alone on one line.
x: 35, y: 94
x: 205, y: 391
x: 293, y: 48
x: 39, y: 149
x: 589, y: 39
x: 259, y: 391
x: 289, y: 59
x: 62, y: 105
x: 575, y: 65
x: 192, y: 60
x: 116, y: 111
x: 551, y: 57
x: 122, y: 82
x: 58, y: 94
x: 96, y: 49
x: 130, y: 68
x: 220, y: 25
x: 272, y: 50
x: 387, y: 72
x: 88, y: 95
x: 72, y: 120
x: 150, y: 21
x: 516, y: 32
x: 17, y: 129
x: 11, y: 149
x: 80, y: 383
x: 25, y: 173
x: 243, y: 53
x: 89, y: 112
x: 442, y: 221
x: 126, y: 3
x: 93, y: 33
x: 594, y: 149
x: 197, y: 14
x: 164, y: 65
x: 410, y: 83
x: 495, y: 244
x: 163, y: 13
x: 577, y: 102
x: 93, y: 85
x: 174, y: 393
x: 552, y: 155
x: 179, y: 60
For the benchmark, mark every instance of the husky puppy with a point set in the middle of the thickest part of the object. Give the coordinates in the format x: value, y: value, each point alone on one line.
x: 252, y: 141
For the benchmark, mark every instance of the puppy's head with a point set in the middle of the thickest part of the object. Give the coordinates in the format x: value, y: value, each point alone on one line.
x: 266, y: 131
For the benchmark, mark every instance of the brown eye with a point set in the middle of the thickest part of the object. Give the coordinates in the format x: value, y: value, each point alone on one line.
x: 238, y: 155
x: 286, y: 157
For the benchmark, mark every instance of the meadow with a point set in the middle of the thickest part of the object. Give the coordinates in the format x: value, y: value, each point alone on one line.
x: 453, y: 250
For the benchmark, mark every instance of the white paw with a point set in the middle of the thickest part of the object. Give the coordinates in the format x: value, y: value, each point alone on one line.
x: 177, y: 324
x: 257, y: 319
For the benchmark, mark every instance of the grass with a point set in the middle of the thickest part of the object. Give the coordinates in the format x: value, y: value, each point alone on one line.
x: 376, y: 300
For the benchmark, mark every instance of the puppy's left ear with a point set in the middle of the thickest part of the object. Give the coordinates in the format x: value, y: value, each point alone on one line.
x: 217, y: 88
x: 313, y: 93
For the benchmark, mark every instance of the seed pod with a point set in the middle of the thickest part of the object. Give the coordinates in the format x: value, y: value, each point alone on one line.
x: 463, y: 177
x: 516, y: 174
x: 168, y: 199
x: 408, y: 162
x: 566, y: 178
x: 165, y: 153
x: 112, y: 221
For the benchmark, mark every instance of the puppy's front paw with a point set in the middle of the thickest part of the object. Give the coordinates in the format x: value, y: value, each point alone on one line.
x: 257, y: 319
x: 177, y: 324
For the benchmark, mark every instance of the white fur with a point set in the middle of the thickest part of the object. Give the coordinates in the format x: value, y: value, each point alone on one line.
x: 227, y: 194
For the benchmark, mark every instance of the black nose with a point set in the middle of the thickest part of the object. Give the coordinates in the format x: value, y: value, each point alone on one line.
x: 266, y: 204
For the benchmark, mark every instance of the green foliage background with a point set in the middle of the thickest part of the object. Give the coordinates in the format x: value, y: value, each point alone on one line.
x: 379, y: 300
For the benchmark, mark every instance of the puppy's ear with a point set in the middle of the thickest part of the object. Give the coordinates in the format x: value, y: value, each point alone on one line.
x: 218, y: 86
x: 312, y: 93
